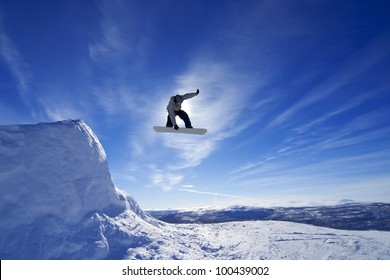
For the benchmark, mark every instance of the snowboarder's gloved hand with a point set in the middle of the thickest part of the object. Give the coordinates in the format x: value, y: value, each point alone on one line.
x: 176, y: 127
x: 197, y: 91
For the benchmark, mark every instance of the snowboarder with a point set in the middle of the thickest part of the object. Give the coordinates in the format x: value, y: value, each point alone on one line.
x: 174, y: 109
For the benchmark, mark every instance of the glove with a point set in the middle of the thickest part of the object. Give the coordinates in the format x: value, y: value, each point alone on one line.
x: 197, y: 91
x: 176, y: 127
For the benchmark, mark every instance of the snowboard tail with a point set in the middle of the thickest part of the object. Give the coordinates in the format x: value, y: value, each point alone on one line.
x: 197, y: 131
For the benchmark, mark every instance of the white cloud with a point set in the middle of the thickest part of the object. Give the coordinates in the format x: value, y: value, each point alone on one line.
x: 123, y: 35
x: 16, y: 64
x: 351, y: 70
x: 58, y: 105
x: 113, y: 40
x: 338, y: 110
x: 57, y: 111
x: 187, y: 186
x: 165, y: 180
x: 313, y: 177
x: 117, y: 98
x: 118, y: 54
x: 302, y: 159
x: 209, y: 193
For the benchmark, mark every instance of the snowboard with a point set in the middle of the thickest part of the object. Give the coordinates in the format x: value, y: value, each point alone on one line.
x: 197, y: 131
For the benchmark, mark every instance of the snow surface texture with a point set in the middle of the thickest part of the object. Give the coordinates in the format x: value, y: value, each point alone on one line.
x: 57, y: 201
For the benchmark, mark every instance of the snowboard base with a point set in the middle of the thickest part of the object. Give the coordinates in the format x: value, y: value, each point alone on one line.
x: 197, y: 131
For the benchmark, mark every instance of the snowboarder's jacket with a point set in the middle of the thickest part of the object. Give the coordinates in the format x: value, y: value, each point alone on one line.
x: 172, y: 106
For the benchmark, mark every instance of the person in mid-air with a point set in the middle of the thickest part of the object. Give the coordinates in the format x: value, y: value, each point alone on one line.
x: 174, y: 109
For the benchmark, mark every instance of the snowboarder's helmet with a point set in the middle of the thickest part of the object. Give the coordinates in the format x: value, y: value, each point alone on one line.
x: 179, y: 99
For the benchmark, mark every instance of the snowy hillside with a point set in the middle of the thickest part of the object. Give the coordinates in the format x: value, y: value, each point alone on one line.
x: 56, y: 193
x: 57, y: 201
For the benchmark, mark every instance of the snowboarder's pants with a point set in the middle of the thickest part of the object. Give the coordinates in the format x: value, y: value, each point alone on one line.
x: 183, y: 115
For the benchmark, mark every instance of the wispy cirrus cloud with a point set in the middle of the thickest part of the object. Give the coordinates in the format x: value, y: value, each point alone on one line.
x: 339, y: 109
x: 339, y: 165
x: 350, y: 71
x: 118, y: 54
x: 325, y: 176
x: 58, y: 108
x: 209, y: 193
x: 165, y: 180
x: 122, y: 32
x: 16, y: 64
x: 322, y: 156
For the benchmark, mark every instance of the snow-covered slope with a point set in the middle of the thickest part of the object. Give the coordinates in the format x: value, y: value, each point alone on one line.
x: 57, y: 168
x: 55, y: 190
x: 275, y: 240
x: 57, y: 201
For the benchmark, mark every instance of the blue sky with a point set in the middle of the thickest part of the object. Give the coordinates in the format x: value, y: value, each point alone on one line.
x: 294, y: 93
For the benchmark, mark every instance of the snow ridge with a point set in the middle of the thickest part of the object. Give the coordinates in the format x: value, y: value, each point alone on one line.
x: 56, y: 192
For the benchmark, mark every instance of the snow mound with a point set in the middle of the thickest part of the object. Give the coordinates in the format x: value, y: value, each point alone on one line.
x: 58, y: 169
x: 56, y: 192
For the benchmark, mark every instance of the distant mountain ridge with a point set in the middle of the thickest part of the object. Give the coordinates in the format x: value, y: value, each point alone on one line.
x: 348, y: 216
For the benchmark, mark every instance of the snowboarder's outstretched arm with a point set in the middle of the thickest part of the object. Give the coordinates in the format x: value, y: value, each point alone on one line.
x: 190, y: 95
